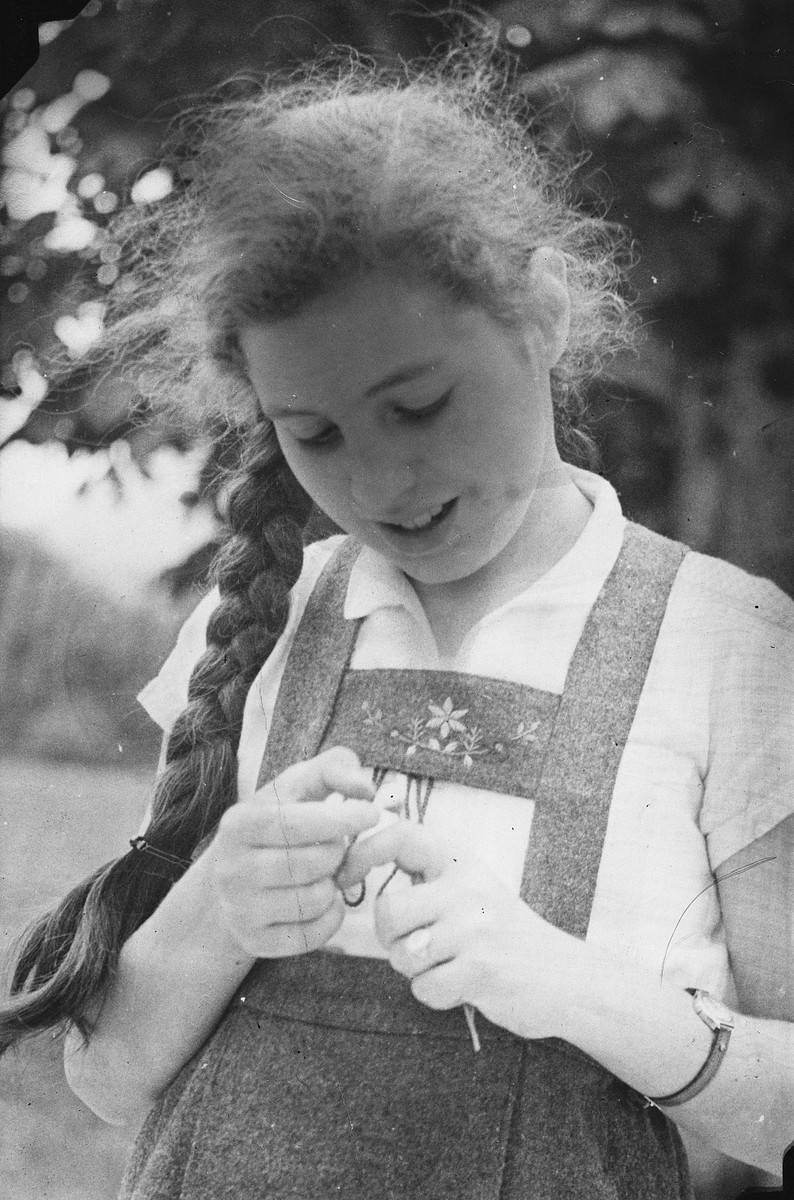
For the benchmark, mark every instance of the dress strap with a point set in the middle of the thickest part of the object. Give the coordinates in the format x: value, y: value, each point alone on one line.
x: 320, y: 654
x: 602, y: 690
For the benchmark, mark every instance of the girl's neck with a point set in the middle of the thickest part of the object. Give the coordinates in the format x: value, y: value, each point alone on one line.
x: 554, y: 521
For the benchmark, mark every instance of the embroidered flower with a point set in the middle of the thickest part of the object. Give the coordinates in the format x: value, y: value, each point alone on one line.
x: 525, y: 733
x: 373, y: 719
x: 445, y: 718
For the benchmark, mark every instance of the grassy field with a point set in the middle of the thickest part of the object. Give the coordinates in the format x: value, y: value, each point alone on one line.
x: 58, y: 822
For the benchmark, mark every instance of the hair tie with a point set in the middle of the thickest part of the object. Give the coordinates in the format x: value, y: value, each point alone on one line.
x: 140, y: 844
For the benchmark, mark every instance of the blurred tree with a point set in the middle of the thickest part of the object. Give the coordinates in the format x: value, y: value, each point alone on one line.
x: 80, y: 129
x: 684, y: 109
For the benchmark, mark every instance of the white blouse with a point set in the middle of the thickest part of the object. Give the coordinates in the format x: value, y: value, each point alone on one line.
x: 707, y: 769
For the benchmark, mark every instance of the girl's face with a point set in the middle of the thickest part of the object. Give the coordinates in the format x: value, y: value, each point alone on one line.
x: 420, y: 426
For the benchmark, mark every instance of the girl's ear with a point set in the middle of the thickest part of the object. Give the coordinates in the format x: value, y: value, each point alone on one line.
x: 550, y: 305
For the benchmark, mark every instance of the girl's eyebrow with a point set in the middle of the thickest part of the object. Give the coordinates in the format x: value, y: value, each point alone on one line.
x: 403, y: 375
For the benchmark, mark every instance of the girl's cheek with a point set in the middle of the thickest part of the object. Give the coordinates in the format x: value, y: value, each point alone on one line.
x: 306, y: 469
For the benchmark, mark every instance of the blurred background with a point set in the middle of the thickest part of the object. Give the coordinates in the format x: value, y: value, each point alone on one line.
x: 682, y: 115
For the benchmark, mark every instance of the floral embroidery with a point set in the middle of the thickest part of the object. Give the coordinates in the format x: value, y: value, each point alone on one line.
x: 445, y: 718
x: 445, y: 732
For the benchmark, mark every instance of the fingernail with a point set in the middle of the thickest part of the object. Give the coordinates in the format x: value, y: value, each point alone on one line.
x: 418, y: 941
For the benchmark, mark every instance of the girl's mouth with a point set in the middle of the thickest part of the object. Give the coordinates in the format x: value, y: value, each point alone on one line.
x: 424, y: 521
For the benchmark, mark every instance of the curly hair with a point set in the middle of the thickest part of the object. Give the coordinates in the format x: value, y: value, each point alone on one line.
x: 432, y: 172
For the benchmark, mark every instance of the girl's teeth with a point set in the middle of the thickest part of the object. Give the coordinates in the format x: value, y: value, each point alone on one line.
x: 425, y: 519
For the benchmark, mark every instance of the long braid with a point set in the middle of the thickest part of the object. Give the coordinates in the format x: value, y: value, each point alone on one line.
x: 255, y: 571
x: 68, y: 957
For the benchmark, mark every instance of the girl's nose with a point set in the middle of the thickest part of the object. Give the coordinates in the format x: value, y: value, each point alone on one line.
x: 377, y: 488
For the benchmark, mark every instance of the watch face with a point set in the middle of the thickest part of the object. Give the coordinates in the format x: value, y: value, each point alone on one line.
x: 713, y: 1012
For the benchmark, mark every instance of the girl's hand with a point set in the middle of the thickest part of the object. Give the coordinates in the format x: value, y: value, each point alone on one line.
x: 275, y: 857
x: 462, y: 938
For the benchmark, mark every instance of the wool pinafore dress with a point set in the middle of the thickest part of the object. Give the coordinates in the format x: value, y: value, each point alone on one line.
x: 326, y: 1078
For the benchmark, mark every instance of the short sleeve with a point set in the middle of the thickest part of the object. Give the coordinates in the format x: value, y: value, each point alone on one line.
x: 165, y: 696
x: 749, y: 785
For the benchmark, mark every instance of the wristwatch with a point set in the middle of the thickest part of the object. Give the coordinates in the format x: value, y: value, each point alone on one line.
x: 720, y: 1020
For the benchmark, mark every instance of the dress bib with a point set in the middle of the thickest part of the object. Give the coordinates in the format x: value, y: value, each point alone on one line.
x: 326, y: 1078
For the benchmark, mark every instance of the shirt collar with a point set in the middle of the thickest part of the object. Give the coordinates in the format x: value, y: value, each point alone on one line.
x: 375, y: 582
x: 594, y: 552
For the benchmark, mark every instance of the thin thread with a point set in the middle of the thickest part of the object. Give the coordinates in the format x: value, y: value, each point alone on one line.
x: 717, y: 879
x: 378, y: 776
x: 359, y: 898
x: 387, y: 880
x: 424, y: 787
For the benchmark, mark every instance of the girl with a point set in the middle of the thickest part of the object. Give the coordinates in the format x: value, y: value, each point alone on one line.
x: 487, y: 748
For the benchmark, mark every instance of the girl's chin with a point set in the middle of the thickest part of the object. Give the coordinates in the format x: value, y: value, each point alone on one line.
x: 450, y: 563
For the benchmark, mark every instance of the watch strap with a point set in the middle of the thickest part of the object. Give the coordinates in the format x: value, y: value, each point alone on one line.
x: 719, y: 1045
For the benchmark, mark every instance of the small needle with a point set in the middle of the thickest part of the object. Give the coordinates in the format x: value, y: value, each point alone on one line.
x: 469, y: 1014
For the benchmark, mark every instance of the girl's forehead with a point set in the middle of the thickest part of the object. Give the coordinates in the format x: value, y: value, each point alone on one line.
x: 362, y: 332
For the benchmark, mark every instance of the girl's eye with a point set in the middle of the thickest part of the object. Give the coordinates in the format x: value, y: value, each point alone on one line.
x: 429, y: 410
x: 324, y: 437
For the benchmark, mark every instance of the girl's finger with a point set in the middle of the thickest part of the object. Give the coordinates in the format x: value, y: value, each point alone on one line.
x: 293, y: 867
x: 410, y: 847
x: 441, y: 987
x: 280, y: 906
x: 398, y: 913
x: 285, y: 941
x: 286, y: 906
x: 422, y: 950
x: 335, y: 770
x: 259, y: 825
